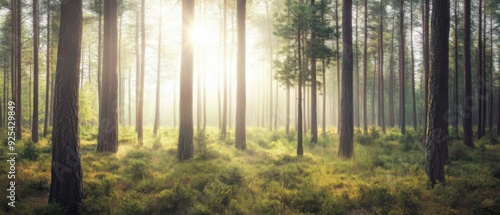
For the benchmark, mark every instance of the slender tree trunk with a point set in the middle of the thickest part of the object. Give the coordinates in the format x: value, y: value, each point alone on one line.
x: 468, y: 102
x: 137, y: 70
x: 425, y: 35
x: 323, y: 71
x: 224, y: 70
x: 412, y: 69
x: 129, y: 98
x: 480, y: 75
x: 66, y: 187
x: 240, y: 137
x: 174, y: 104
x: 99, y: 67
x: 374, y: 89
x: 391, y: 79
x: 314, y: 109
x: 36, y: 34
x: 19, y: 76
x: 338, y: 62
x: 158, y: 79
x: 402, y: 68
x: 381, y: 71
x: 140, y: 131
x: 271, y: 114
x: 185, y: 144
x: 437, y: 134
x: 204, y: 74
x: 107, y: 140
x: 300, y: 150
x: 455, y: 80
x: 346, y: 119
x: 357, y: 100
x: 491, y: 73
x: 365, y: 66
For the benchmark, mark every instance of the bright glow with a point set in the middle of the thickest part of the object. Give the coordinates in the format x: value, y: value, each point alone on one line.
x: 198, y: 34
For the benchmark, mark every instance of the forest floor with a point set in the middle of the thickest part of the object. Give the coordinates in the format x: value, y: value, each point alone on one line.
x: 386, y: 176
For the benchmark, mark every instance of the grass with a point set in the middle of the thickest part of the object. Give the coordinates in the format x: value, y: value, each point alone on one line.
x: 385, y: 176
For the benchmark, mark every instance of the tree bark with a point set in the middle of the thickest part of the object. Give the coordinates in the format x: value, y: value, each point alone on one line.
x: 357, y: 100
x: 365, y: 67
x: 455, y: 80
x: 99, y: 56
x: 185, y: 144
x: 314, y: 113
x: 137, y: 70
x: 36, y: 34
x: 437, y: 133
x: 425, y: 35
x: 240, y: 133
x: 414, y: 121
x: 300, y: 150
x: 107, y: 140
x: 402, y: 68
x: 224, y: 70
x: 381, y: 71
x: 468, y: 102
x: 66, y: 170
x: 18, y: 72
x: 391, y: 79
x: 346, y: 116
x: 287, y: 121
x: 480, y: 76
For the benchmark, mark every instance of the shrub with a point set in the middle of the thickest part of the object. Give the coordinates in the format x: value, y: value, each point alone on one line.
x: 30, y: 152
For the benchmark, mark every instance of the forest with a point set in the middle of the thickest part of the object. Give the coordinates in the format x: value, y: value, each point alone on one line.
x: 250, y: 107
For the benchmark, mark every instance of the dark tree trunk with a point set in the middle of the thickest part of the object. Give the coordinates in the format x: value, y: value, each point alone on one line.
x: 365, y: 67
x: 240, y: 133
x: 107, y: 140
x: 158, y: 80
x: 323, y: 70
x: 346, y: 117
x: 374, y: 89
x: 66, y: 171
x: 19, y: 76
x: 36, y: 34
x: 314, y: 113
x: 185, y: 145
x: 425, y: 35
x: 140, y: 127
x: 356, y: 101
x: 468, y: 103
x: 414, y: 121
x: 437, y: 133
x: 455, y: 80
x: 287, y: 123
x: 339, y: 105
x: 402, y: 68
x: 491, y: 73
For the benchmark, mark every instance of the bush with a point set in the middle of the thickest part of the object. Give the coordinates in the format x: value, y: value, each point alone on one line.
x: 30, y: 152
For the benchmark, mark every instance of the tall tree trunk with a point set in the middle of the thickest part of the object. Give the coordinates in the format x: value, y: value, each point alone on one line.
x: 346, y: 119
x: 365, y: 66
x: 137, y: 69
x: 66, y: 187
x: 391, y: 79
x: 323, y: 71
x: 99, y: 56
x: 338, y: 62
x: 300, y: 150
x: 158, y: 79
x: 402, y: 67
x: 314, y: 109
x: 185, y: 144
x: 36, y: 34
x: 491, y: 73
x: 204, y: 74
x: 140, y: 131
x: 19, y: 76
x: 374, y: 89
x: 412, y: 70
x: 224, y: 70
x: 356, y: 101
x: 437, y: 133
x: 107, y: 140
x: 468, y: 103
x: 480, y: 75
x: 381, y: 71
x: 129, y: 98
x: 425, y: 35
x: 455, y: 80
x: 240, y: 136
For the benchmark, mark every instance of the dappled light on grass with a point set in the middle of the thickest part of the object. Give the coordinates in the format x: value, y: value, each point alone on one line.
x: 385, y: 176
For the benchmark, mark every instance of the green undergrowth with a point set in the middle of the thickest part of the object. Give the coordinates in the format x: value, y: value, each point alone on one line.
x: 385, y: 176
